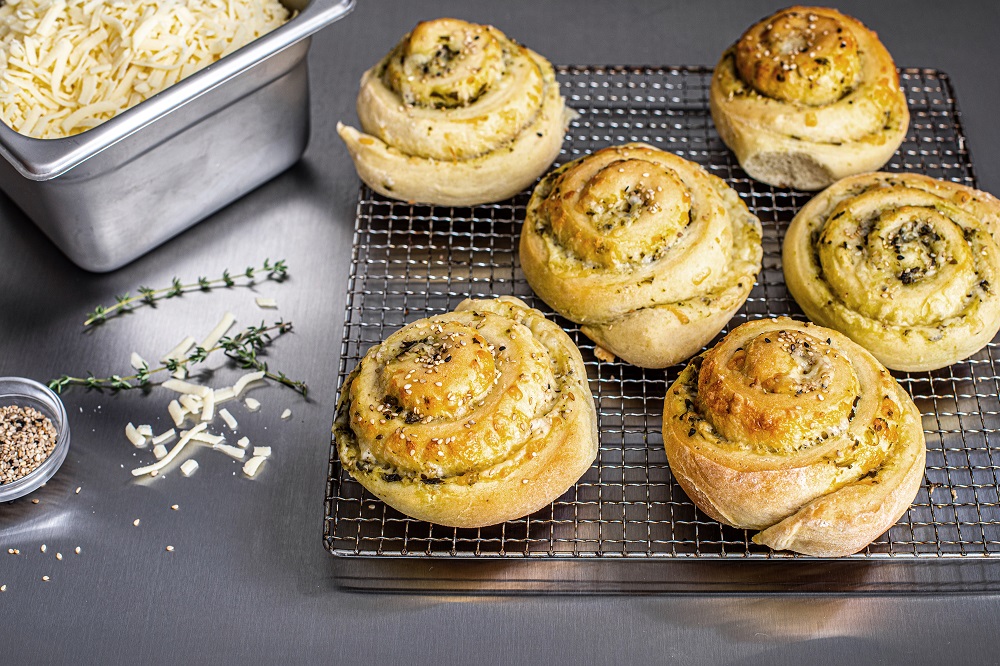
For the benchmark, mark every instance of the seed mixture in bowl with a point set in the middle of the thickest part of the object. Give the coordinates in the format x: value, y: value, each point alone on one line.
x: 27, y: 438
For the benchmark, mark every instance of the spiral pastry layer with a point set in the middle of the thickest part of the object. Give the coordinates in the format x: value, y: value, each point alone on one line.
x: 650, y: 253
x: 457, y: 115
x: 808, y: 96
x: 792, y: 429
x: 905, y: 265
x: 470, y: 418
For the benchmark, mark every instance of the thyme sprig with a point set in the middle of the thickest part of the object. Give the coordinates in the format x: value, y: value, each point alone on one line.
x: 127, y: 302
x: 244, y: 348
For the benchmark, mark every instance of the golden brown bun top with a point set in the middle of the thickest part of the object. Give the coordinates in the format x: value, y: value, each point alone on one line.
x: 802, y: 54
x: 619, y: 205
x: 446, y: 62
x: 458, y: 392
x: 779, y: 390
x: 790, y: 368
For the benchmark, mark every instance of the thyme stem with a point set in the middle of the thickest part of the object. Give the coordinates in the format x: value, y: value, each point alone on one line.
x: 276, y: 271
x: 244, y: 348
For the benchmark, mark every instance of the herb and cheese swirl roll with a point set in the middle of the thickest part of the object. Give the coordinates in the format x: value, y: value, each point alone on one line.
x: 808, y: 96
x: 795, y: 430
x: 469, y: 418
x: 648, y: 252
x: 903, y: 264
x: 456, y: 114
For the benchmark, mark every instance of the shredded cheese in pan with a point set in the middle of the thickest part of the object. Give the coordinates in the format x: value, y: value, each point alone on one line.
x: 69, y: 65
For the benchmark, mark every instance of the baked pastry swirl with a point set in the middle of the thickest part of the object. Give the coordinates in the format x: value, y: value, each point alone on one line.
x: 648, y: 252
x: 905, y: 265
x: 469, y: 418
x: 808, y: 96
x: 457, y: 115
x: 792, y: 429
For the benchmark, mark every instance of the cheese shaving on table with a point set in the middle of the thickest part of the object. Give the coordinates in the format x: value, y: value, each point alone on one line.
x: 266, y: 302
x: 166, y: 460
x: 252, y: 405
x: 233, y: 451
x: 208, y: 438
x: 262, y: 451
x: 251, y: 466
x: 137, y: 362
x: 180, y: 351
x: 176, y: 412
x: 246, y: 380
x: 243, y: 442
x: 159, y: 451
x: 187, y: 469
x: 228, y: 418
x: 164, y: 437
x: 208, y: 410
x: 69, y: 65
x: 178, y: 386
x: 134, y: 435
x: 220, y: 329
x: 286, y: 414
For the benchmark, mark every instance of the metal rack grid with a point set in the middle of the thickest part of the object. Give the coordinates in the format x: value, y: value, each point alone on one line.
x: 412, y: 261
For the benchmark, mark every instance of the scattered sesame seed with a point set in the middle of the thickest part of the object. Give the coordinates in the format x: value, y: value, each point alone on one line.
x: 136, y: 522
x: 77, y: 550
x: 174, y: 507
x: 170, y: 549
x: 78, y: 490
x: 45, y: 578
x: 524, y: 480
x: 34, y: 501
x: 3, y: 588
x: 43, y: 548
x: 59, y: 556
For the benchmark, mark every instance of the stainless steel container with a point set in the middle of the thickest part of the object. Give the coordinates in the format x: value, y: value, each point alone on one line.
x: 112, y: 193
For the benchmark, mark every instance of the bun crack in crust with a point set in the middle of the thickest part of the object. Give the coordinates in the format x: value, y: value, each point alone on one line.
x: 648, y: 252
x: 905, y: 265
x: 792, y: 429
x: 456, y: 115
x: 808, y: 96
x: 469, y: 418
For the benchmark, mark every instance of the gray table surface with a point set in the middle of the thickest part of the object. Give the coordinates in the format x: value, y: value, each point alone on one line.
x: 249, y: 580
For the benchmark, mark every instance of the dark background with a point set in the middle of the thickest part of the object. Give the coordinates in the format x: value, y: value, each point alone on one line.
x: 249, y: 579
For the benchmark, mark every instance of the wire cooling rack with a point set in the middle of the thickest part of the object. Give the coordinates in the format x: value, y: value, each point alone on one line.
x: 412, y: 261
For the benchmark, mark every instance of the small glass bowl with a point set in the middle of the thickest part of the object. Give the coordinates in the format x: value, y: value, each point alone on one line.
x: 28, y: 393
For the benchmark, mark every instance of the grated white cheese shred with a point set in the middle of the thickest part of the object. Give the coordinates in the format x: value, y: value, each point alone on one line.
x: 208, y: 438
x: 137, y: 362
x: 180, y: 351
x: 246, y: 380
x: 224, y: 395
x: 191, y: 403
x: 262, y: 451
x: 228, y: 418
x: 159, y: 451
x: 251, y: 466
x: 69, y: 65
x: 243, y: 442
x: 134, y: 435
x: 287, y: 414
x: 186, y: 388
x: 220, y: 329
x: 145, y: 430
x: 189, y: 467
x: 208, y: 409
x: 233, y: 451
x: 167, y: 459
x: 176, y: 412
x: 164, y: 437
x: 266, y: 302
x: 252, y: 405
